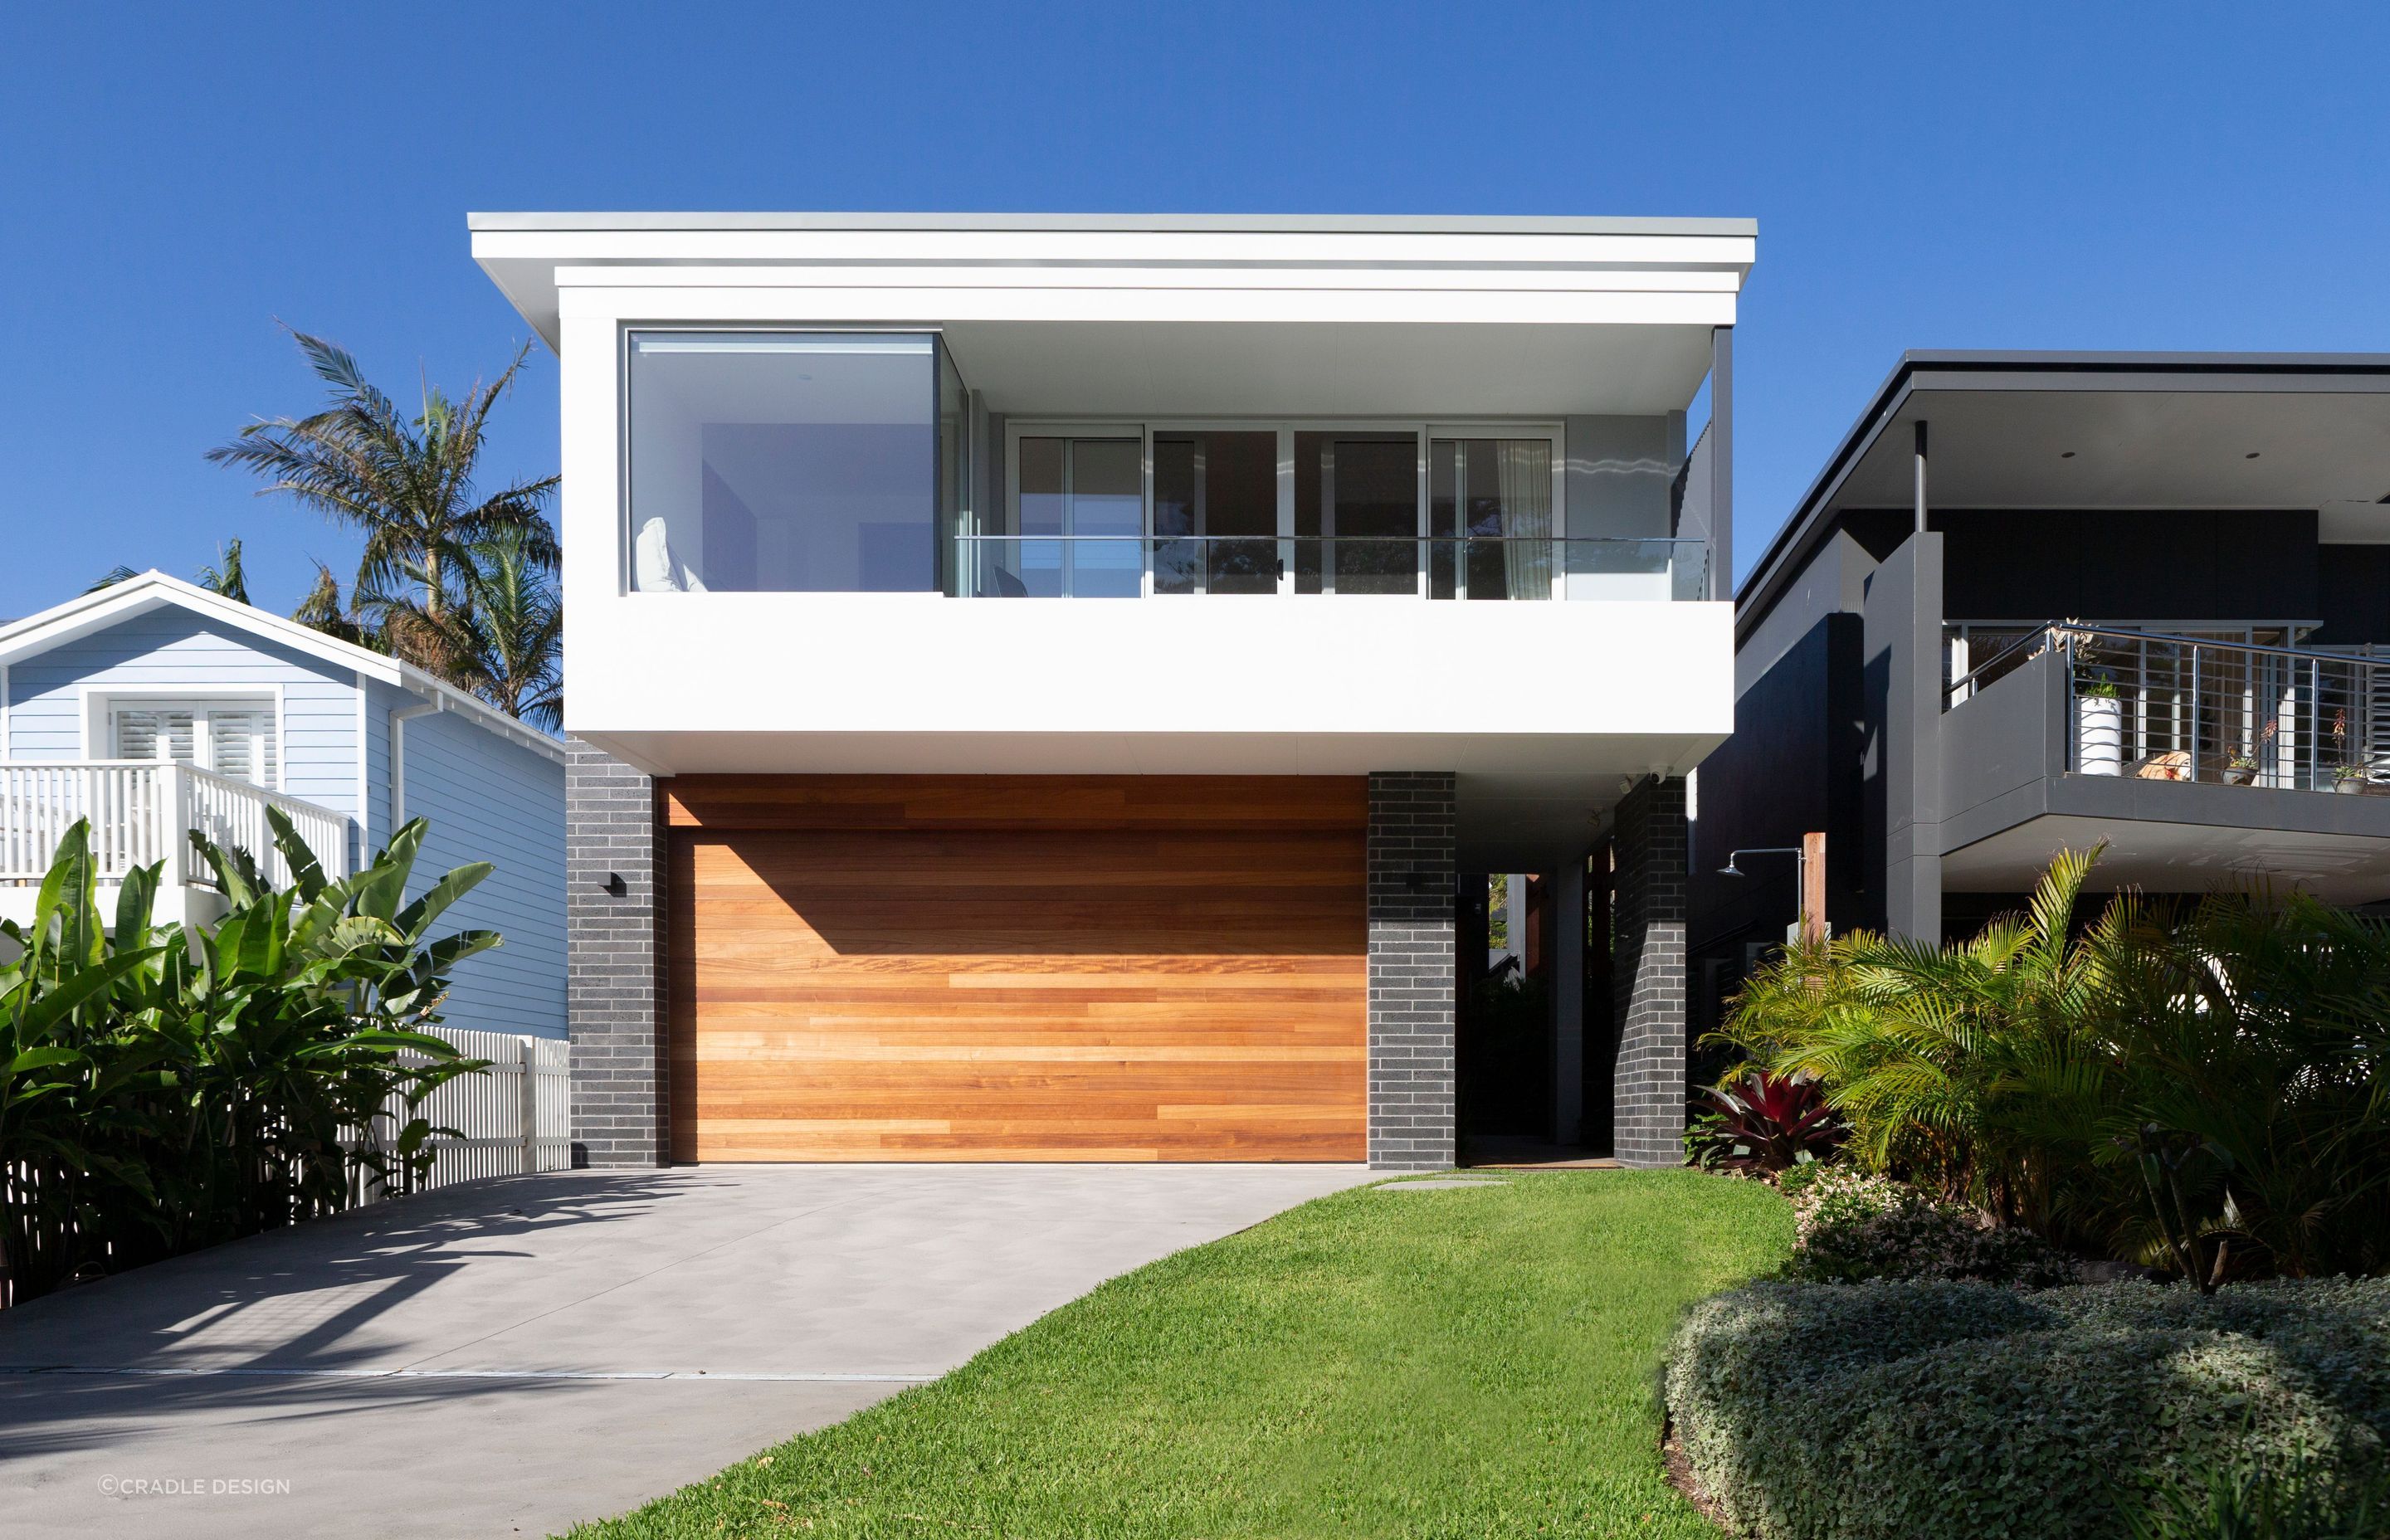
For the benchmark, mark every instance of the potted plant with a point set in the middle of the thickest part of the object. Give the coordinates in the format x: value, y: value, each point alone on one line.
x: 2240, y: 770
x: 2350, y: 778
x: 2099, y: 725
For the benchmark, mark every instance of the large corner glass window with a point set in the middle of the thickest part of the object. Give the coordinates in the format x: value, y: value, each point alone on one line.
x: 791, y: 462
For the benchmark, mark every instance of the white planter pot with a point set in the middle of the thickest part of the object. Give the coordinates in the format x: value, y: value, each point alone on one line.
x: 2099, y: 735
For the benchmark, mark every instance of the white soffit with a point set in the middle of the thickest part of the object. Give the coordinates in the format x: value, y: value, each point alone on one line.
x: 1326, y: 370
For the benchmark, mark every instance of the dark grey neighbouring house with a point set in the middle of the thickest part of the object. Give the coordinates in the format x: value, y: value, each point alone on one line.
x: 2036, y: 601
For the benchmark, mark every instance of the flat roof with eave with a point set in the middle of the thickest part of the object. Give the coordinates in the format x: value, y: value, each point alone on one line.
x: 1532, y: 224
x: 1324, y: 315
x: 2090, y: 430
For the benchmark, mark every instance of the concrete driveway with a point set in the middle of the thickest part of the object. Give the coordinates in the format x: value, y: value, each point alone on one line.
x: 517, y: 1355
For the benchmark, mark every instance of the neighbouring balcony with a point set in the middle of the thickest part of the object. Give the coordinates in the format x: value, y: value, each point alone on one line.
x: 1468, y: 567
x: 145, y: 810
x: 2174, y: 708
x: 2194, y: 762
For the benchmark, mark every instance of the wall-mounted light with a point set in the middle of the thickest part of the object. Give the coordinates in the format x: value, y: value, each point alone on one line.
x: 614, y: 885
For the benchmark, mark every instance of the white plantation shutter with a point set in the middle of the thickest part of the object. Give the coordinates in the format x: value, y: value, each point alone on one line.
x: 155, y: 732
x: 240, y: 744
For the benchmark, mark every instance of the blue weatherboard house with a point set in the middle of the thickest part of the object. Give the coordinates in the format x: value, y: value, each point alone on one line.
x: 155, y: 707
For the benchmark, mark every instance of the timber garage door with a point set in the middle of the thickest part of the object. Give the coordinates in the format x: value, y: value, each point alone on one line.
x: 990, y: 967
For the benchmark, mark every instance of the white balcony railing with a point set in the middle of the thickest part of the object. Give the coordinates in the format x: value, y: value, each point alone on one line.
x: 144, y: 811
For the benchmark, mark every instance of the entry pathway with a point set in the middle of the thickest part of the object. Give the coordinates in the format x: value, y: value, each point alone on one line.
x: 517, y: 1356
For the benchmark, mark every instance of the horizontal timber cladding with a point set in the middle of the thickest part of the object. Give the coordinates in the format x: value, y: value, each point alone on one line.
x: 1018, y: 967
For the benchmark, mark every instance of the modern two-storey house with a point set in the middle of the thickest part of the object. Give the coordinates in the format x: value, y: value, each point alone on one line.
x: 154, y: 709
x: 2043, y: 601
x: 1043, y: 685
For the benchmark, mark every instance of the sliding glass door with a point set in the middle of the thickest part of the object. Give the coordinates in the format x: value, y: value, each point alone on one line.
x: 1085, y: 498
x: 1215, y: 511
x: 1492, y: 517
x: 1356, y: 511
x: 1127, y: 508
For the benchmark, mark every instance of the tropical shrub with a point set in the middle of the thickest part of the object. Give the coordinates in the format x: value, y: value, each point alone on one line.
x: 1851, y: 1228
x: 1761, y: 1124
x: 165, y: 1087
x: 2204, y: 1089
x: 1956, y: 1410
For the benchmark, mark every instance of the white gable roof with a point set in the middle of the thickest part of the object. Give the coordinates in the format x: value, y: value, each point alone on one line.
x: 98, y: 611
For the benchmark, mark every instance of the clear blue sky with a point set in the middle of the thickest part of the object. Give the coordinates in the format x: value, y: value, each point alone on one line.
x: 175, y: 177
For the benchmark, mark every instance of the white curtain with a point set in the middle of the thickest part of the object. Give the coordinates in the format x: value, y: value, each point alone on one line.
x: 1523, y: 475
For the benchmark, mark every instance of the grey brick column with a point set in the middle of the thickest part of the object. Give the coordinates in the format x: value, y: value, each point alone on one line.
x: 614, y: 984
x: 1412, y: 971
x: 1647, y: 975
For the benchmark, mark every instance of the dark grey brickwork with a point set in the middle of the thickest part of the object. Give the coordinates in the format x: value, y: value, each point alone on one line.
x: 615, y: 963
x: 1647, y: 974
x: 1412, y: 972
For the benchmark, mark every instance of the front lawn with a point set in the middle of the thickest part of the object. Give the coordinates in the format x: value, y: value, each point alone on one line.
x: 1472, y: 1361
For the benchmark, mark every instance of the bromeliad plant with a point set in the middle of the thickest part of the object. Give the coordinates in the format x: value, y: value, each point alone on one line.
x: 1762, y: 1123
x: 165, y: 1087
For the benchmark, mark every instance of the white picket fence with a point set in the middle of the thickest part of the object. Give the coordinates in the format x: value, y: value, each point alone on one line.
x: 513, y: 1117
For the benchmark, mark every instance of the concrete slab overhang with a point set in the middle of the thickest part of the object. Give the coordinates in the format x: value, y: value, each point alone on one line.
x: 2163, y: 837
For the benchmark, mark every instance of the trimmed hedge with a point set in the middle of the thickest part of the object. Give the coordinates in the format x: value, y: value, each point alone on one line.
x: 1880, y: 1411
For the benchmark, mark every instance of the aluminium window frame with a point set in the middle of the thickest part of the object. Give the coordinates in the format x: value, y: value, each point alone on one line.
x: 1425, y: 430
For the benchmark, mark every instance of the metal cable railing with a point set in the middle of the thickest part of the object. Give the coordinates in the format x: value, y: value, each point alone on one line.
x: 2164, y: 706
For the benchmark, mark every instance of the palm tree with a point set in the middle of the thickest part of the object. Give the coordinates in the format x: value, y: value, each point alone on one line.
x: 225, y: 578
x: 514, y: 625
x: 406, y: 484
x: 323, y: 610
x: 502, y: 637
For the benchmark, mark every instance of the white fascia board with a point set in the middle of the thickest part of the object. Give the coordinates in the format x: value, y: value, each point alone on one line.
x: 87, y: 613
x: 448, y: 698
x: 1175, y: 249
x: 1545, y: 280
x: 673, y: 305
x: 936, y: 270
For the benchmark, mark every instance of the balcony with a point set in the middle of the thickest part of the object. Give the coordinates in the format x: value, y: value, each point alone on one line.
x: 1473, y: 567
x: 2199, y: 760
x: 143, y: 812
x: 2189, y: 708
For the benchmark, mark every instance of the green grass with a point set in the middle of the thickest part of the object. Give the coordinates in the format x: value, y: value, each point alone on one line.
x: 1454, y: 1363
